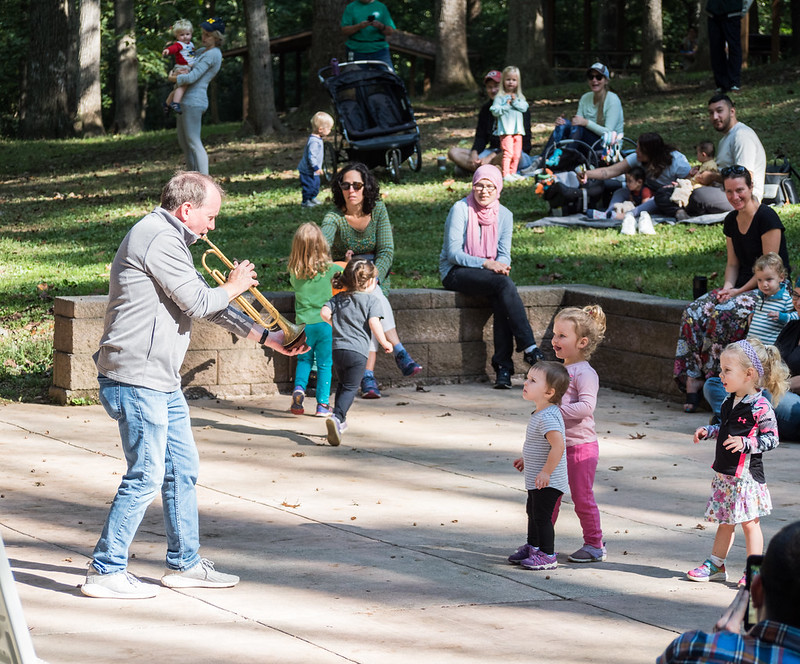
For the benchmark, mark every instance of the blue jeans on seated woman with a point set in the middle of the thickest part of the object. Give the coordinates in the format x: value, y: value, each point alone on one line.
x: 510, y: 318
x: 787, y: 412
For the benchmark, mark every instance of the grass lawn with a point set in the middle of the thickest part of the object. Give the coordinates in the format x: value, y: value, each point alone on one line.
x: 65, y: 206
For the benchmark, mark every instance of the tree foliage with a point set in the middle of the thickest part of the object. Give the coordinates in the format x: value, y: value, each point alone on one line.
x: 583, y: 30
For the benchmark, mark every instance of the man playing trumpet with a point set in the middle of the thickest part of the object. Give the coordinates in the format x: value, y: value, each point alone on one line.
x: 154, y: 294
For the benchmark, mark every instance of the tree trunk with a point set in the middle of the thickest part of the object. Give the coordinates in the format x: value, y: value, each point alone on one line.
x: 452, y: 66
x: 702, y: 61
x: 606, y: 30
x: 327, y: 41
x: 262, y: 116
x: 127, y: 118
x: 90, y: 118
x: 794, y: 9
x: 526, y: 41
x: 653, y: 73
x: 47, y: 98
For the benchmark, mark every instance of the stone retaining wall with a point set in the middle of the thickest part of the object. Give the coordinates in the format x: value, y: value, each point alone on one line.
x: 450, y: 334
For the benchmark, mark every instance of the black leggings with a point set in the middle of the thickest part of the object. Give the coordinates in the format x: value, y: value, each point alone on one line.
x: 540, y: 506
x: 349, y: 367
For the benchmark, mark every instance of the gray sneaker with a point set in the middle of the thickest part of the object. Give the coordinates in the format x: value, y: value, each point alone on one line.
x: 118, y: 585
x: 335, y: 430
x: 589, y: 554
x: 201, y: 575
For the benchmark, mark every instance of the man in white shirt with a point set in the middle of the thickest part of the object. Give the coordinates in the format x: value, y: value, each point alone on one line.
x: 739, y: 145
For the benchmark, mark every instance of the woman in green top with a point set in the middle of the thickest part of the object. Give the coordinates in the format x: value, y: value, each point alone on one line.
x: 361, y: 229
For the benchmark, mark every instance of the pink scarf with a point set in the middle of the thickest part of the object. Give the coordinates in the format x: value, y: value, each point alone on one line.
x: 482, y: 221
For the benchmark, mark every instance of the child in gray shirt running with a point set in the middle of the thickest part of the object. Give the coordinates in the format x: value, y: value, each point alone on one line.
x: 355, y: 315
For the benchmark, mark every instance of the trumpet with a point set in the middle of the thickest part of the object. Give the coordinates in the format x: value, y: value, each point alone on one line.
x: 293, y: 335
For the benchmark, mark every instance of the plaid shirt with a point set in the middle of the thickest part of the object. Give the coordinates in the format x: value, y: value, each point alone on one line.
x: 767, y: 642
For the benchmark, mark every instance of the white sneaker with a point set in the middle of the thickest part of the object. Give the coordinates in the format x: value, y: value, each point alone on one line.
x: 201, y: 575
x: 646, y: 224
x: 117, y: 585
x: 335, y: 429
x: 628, y: 225
x: 508, y: 179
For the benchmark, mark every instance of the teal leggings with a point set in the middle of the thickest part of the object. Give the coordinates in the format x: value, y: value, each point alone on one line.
x: 319, y: 337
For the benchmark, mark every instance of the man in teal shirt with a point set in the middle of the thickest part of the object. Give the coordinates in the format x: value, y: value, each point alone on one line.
x: 366, y: 24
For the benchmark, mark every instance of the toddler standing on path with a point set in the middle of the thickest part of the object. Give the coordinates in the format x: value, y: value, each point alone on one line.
x: 354, y: 314
x: 508, y: 107
x: 747, y: 428
x: 576, y: 334
x: 544, y: 464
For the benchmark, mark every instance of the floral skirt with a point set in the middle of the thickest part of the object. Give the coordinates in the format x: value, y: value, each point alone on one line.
x: 737, y: 499
x: 707, y: 326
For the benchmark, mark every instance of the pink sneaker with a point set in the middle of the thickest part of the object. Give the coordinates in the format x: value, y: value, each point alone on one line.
x: 708, y: 571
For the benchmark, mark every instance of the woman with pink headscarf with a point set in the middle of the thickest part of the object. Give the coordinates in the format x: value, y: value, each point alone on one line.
x: 476, y: 260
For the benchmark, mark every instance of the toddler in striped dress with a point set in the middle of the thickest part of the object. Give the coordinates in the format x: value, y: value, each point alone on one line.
x: 544, y: 463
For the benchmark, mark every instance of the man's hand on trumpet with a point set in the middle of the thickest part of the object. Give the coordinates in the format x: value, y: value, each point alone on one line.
x: 275, y: 341
x: 240, y: 279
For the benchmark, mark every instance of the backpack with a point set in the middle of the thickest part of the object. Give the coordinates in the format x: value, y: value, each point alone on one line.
x: 779, y: 188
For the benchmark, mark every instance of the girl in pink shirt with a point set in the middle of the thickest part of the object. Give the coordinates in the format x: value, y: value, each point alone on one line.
x: 576, y: 334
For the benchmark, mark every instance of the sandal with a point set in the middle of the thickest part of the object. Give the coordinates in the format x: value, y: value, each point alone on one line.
x: 692, y: 402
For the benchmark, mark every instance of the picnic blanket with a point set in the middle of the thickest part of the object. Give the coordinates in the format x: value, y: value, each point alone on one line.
x: 581, y: 220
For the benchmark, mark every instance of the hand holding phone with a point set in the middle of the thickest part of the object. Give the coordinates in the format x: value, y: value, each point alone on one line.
x: 752, y: 571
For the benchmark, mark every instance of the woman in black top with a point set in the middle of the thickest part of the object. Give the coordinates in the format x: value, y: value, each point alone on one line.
x: 721, y: 317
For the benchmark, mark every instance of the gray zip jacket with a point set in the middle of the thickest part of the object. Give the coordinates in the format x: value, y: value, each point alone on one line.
x: 154, y: 294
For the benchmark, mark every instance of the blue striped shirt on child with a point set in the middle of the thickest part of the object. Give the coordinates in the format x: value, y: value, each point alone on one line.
x: 762, y: 327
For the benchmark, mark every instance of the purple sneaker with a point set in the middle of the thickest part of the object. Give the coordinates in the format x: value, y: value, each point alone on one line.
x: 323, y: 410
x: 525, y: 551
x: 540, y: 561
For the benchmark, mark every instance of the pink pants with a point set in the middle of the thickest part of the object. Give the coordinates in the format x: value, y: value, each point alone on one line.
x: 511, y: 145
x: 581, y: 467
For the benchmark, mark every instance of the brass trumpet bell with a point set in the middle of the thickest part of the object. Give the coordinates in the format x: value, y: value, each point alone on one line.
x: 267, y: 316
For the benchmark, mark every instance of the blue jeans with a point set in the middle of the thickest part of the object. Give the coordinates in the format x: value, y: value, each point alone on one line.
x: 788, y: 413
x: 319, y: 337
x: 310, y: 184
x: 159, y: 448
x: 383, y: 55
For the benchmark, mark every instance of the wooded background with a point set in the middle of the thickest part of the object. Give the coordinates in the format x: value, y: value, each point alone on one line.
x: 87, y: 67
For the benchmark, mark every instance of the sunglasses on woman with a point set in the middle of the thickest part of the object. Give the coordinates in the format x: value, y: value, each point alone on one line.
x: 732, y: 170
x: 595, y: 77
x: 347, y: 185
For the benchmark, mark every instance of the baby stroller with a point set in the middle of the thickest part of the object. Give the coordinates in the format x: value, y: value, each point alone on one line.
x: 374, y: 119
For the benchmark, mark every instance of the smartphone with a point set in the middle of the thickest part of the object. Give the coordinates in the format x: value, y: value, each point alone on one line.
x: 753, y: 570
x: 370, y: 18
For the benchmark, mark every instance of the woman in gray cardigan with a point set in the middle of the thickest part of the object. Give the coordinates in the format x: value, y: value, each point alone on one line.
x: 195, y: 100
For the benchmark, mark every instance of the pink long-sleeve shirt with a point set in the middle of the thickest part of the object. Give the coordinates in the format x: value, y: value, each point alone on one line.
x: 578, y: 404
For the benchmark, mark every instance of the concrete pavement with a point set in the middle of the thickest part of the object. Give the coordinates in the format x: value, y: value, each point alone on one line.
x: 388, y: 547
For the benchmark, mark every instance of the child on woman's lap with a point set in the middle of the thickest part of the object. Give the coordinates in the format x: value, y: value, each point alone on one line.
x: 544, y: 464
x: 774, y: 307
x: 354, y: 315
x: 310, y: 272
x: 748, y: 427
x: 576, y: 334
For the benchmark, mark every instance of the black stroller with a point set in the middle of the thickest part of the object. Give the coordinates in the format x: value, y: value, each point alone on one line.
x: 374, y: 119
